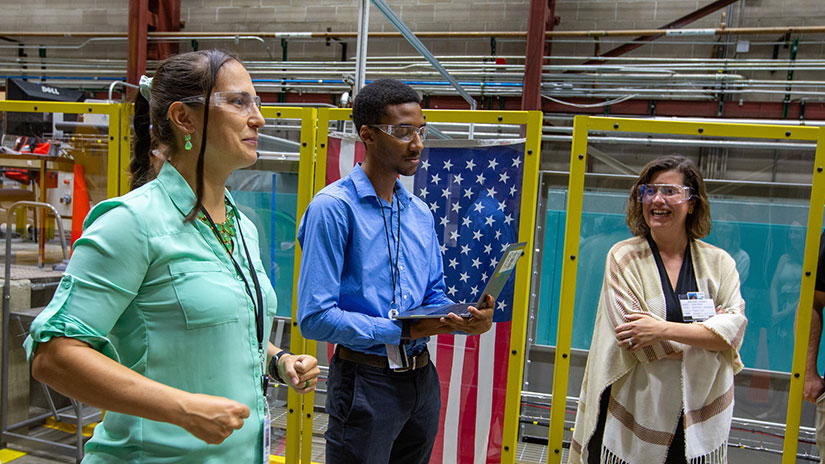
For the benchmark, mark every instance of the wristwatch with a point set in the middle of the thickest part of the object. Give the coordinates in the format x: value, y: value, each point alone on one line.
x: 273, y: 366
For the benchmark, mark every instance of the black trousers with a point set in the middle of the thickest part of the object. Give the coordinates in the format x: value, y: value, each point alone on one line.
x: 675, y: 454
x: 378, y: 416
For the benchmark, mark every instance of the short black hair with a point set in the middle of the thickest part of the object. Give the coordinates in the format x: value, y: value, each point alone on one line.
x: 371, y: 102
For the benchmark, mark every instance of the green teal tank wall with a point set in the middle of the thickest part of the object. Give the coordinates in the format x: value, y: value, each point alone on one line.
x: 765, y: 238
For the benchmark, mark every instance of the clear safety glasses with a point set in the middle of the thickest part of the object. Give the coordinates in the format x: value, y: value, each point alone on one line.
x: 671, y: 193
x: 403, y: 132
x: 237, y: 101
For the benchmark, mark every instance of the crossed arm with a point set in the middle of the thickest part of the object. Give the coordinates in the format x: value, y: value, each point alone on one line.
x: 636, y: 329
x: 643, y: 330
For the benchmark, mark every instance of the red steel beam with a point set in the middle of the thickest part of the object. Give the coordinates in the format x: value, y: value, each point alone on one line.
x: 138, y: 29
x: 679, y: 23
x: 167, y: 13
x: 537, y: 25
x: 146, y: 16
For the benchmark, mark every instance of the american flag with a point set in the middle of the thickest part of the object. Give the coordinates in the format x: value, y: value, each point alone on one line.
x: 474, y: 194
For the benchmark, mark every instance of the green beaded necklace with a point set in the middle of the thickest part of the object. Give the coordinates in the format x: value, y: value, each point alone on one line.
x: 226, y: 229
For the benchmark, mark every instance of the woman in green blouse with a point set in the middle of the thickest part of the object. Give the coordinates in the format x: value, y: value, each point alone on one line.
x: 163, y: 315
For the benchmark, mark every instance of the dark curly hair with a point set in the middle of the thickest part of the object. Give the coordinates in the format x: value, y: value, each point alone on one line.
x: 179, y: 76
x: 698, y: 221
x: 371, y: 102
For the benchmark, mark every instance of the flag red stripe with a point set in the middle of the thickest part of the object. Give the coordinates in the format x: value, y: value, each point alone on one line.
x: 469, y: 401
x: 333, y: 149
x: 444, y: 365
x: 499, y: 391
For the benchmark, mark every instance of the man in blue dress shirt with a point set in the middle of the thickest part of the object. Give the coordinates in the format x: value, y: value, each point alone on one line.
x: 369, y: 251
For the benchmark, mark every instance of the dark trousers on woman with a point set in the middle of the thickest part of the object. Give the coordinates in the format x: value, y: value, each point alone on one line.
x: 675, y: 454
x: 378, y: 416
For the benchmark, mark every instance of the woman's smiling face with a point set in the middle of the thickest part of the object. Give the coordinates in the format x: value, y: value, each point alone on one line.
x: 661, y: 216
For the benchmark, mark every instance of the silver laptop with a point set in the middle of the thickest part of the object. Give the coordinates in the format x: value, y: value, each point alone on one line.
x: 501, y: 273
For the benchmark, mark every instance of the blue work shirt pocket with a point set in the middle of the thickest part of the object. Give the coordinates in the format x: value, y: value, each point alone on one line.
x: 207, y: 296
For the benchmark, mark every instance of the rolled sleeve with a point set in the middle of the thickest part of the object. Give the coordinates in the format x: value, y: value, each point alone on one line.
x: 106, y: 270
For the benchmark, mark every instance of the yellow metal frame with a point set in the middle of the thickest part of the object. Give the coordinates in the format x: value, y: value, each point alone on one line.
x: 578, y: 157
x: 117, y: 160
x: 125, y: 141
x: 529, y: 194
x: 300, y: 408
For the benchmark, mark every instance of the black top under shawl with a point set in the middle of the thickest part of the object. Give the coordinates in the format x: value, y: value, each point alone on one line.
x: 684, y: 284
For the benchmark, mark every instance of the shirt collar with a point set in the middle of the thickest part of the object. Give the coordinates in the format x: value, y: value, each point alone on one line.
x: 364, y: 188
x: 179, y: 190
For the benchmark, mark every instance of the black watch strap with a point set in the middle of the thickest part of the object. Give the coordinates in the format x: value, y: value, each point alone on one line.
x: 273, y: 366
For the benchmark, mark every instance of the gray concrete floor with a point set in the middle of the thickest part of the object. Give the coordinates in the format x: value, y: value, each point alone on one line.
x: 528, y: 453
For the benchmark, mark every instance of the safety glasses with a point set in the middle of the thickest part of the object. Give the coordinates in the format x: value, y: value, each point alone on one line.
x: 402, y: 132
x: 671, y: 193
x: 233, y: 100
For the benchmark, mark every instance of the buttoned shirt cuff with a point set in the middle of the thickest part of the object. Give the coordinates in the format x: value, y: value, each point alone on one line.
x: 387, y: 331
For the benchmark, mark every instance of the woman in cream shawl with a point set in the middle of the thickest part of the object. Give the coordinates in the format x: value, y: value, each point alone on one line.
x: 657, y: 389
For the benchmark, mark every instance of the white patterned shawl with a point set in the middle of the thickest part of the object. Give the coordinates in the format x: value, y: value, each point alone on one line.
x: 649, y: 392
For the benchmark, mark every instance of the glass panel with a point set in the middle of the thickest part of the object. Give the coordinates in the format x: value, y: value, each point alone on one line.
x: 269, y: 199
x: 43, y: 149
x: 267, y: 193
x: 54, y: 145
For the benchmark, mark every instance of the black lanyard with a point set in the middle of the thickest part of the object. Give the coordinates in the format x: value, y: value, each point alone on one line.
x: 395, y: 274
x: 259, y: 307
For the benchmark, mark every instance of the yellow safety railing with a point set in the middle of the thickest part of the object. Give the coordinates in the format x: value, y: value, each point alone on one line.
x: 300, y: 408
x: 312, y: 175
x: 581, y: 127
x: 532, y: 120
x: 117, y: 157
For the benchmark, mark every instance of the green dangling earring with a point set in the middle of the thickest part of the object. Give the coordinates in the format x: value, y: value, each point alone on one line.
x: 188, y: 139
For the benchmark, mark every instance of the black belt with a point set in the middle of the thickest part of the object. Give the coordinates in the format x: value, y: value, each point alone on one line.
x: 419, y: 361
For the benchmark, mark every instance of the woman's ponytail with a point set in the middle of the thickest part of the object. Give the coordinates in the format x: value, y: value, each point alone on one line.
x: 140, y: 167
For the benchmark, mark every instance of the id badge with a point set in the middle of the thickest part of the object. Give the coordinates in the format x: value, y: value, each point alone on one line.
x: 267, y: 435
x: 397, y: 357
x: 697, y: 308
x: 393, y: 312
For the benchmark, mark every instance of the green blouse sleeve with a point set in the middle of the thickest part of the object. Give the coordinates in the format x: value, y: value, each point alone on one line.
x: 107, y: 267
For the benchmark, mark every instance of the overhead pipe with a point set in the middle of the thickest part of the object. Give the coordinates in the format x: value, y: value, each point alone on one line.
x: 124, y: 84
x: 425, y: 52
x: 361, y: 51
x: 449, y: 34
x: 621, y: 80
